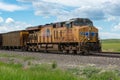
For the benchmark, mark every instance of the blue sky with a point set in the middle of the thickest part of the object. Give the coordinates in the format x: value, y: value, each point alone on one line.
x: 19, y: 14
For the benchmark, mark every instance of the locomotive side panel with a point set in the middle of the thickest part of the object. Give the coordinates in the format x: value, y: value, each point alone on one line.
x: 45, y: 35
x: 64, y: 34
x: 34, y: 33
x: 59, y: 35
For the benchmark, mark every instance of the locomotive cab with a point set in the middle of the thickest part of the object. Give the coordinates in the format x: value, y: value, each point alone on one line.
x: 82, y: 22
x: 88, y: 35
x: 85, y: 34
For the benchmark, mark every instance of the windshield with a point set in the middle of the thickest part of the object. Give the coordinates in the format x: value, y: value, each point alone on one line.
x: 68, y: 24
x: 83, y: 22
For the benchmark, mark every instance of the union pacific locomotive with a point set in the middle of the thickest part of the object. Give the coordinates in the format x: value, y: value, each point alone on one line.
x: 76, y: 35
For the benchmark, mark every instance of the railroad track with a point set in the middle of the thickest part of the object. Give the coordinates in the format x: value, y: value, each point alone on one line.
x: 101, y: 54
x: 95, y: 54
x: 107, y: 54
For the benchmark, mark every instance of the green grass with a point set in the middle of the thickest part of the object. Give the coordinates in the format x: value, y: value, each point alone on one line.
x: 90, y: 71
x: 93, y: 73
x: 108, y: 75
x: 112, y: 45
x: 37, y: 72
x: 25, y: 58
x: 47, y: 72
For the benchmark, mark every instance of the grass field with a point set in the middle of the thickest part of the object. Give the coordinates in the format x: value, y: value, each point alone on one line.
x: 112, y: 45
x: 36, y: 72
x: 10, y: 71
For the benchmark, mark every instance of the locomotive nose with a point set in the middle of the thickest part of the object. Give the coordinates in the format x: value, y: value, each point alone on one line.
x: 88, y: 33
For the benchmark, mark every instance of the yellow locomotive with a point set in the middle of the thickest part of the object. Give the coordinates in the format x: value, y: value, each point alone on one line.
x: 76, y: 35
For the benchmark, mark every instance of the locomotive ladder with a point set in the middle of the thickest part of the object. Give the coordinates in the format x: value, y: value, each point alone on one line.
x: 82, y: 43
x: 86, y: 38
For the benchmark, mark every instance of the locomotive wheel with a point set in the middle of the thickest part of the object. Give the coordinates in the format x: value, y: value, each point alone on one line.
x: 86, y: 52
x: 33, y: 49
x: 74, y: 51
x: 37, y: 50
x: 67, y: 51
x: 64, y: 51
x: 71, y: 52
x: 78, y: 52
x: 46, y: 51
x: 24, y: 49
x: 29, y: 49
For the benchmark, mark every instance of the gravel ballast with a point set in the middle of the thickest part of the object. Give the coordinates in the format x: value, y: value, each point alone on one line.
x: 62, y: 60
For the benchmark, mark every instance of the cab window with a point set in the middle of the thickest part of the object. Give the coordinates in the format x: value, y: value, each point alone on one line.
x: 83, y: 22
x: 69, y: 25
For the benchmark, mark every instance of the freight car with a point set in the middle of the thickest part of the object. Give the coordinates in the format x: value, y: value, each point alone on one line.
x: 14, y: 40
x: 0, y: 41
x: 73, y: 36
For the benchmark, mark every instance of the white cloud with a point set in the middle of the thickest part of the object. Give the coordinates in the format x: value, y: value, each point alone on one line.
x: 100, y: 28
x: 109, y: 35
x: 48, y: 9
x: 65, y: 9
x: 9, y: 20
x: 1, y: 20
x: 76, y: 3
x: 111, y: 18
x: 12, y: 25
x: 112, y: 7
x: 45, y: 9
x: 11, y: 7
x: 116, y: 27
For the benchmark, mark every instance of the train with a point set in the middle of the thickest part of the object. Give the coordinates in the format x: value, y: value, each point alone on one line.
x: 77, y: 35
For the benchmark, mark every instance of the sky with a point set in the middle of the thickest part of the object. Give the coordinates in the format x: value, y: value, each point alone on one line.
x: 20, y: 14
